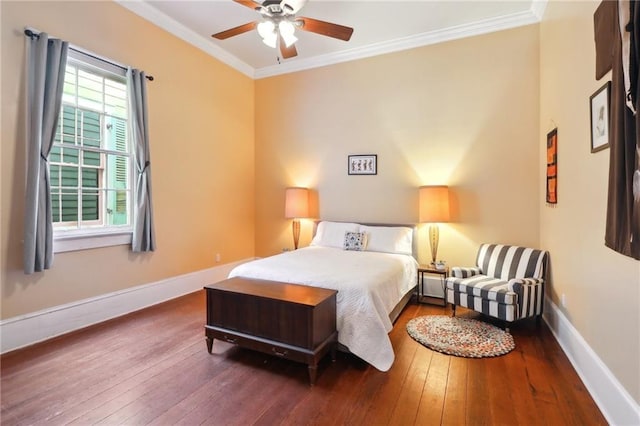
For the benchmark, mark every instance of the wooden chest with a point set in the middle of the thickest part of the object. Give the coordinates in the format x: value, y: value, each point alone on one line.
x: 291, y: 321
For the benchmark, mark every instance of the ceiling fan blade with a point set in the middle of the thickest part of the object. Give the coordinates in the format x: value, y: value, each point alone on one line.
x: 287, y: 52
x: 325, y: 28
x: 222, y: 35
x: 249, y: 3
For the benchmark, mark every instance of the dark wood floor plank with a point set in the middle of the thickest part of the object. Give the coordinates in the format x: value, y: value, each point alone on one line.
x: 211, y: 399
x: 409, y: 397
x: 166, y: 390
x: 129, y: 396
x: 293, y: 390
x: 77, y: 385
x: 53, y: 357
x: 76, y: 382
x: 539, y: 370
x: 328, y: 396
x: 500, y: 395
x: 289, y: 395
x: 361, y: 398
x: 519, y: 388
x: 431, y: 406
x: 572, y: 399
x: 239, y: 393
x: 374, y: 381
x: 152, y: 367
x: 478, y: 409
x: 107, y: 333
x: 384, y: 401
x: 455, y: 403
x: 118, y: 388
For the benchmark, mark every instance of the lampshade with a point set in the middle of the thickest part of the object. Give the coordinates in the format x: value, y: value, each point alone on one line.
x: 266, y: 28
x: 267, y: 31
x: 434, y: 203
x: 296, y: 203
x: 286, y: 31
x: 270, y: 40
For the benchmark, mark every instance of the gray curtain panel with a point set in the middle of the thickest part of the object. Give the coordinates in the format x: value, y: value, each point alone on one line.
x: 46, y: 62
x: 144, y: 238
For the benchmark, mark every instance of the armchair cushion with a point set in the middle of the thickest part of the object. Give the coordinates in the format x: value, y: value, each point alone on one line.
x: 484, y: 287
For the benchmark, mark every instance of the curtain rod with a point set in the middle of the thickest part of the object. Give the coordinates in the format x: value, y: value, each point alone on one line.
x: 34, y: 34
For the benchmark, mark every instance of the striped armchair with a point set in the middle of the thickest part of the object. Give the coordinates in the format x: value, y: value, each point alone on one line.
x: 506, y: 283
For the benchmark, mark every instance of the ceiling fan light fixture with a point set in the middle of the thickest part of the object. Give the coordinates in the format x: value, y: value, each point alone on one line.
x: 271, y: 40
x: 266, y: 28
x: 287, y: 30
x: 267, y: 31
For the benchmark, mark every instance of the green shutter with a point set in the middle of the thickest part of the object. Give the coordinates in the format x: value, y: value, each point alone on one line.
x: 116, y: 139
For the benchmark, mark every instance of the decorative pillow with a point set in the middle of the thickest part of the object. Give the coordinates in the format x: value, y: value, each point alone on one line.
x: 331, y: 234
x: 389, y: 239
x: 355, y: 241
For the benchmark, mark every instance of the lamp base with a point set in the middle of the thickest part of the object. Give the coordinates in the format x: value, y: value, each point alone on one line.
x: 434, y: 238
x: 295, y: 227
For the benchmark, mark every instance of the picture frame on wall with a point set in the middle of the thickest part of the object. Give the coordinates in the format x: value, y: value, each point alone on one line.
x: 552, y: 166
x: 362, y: 164
x: 600, y: 102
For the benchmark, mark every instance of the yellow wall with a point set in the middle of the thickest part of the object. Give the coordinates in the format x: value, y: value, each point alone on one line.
x: 601, y: 287
x: 462, y: 113
x: 202, y: 130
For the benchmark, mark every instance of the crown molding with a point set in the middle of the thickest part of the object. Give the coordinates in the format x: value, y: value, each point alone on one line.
x: 148, y: 12
x: 151, y: 14
x: 411, y: 42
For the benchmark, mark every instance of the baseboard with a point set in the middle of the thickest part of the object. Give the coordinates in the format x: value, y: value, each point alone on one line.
x: 25, y: 330
x: 617, y: 406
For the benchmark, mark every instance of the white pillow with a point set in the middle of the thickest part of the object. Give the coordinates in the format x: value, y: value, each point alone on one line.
x: 389, y: 239
x: 331, y: 234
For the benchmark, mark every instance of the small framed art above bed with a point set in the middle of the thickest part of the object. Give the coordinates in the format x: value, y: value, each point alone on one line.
x: 372, y: 266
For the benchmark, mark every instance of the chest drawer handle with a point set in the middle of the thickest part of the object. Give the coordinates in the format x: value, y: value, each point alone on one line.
x: 230, y: 339
x: 278, y: 353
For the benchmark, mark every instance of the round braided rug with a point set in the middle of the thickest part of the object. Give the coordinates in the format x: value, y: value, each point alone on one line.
x: 460, y: 337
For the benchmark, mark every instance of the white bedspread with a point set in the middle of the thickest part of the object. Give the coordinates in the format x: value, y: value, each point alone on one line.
x: 369, y: 285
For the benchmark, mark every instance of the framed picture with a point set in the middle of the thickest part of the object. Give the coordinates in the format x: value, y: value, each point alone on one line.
x: 363, y: 164
x: 600, y: 102
x: 552, y: 166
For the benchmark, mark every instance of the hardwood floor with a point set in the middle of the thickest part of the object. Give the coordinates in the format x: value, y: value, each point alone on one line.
x: 152, y: 367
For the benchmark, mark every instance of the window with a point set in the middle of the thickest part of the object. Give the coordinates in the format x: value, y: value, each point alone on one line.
x: 91, y: 160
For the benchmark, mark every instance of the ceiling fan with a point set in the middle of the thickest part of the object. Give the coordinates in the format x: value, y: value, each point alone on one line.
x: 279, y: 22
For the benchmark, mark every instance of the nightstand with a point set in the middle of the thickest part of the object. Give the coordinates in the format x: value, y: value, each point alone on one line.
x: 430, y: 269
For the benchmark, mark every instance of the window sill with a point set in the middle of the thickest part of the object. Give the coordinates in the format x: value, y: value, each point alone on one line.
x: 74, y: 242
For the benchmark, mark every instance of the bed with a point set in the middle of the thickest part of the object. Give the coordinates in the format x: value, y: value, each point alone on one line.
x: 374, y: 270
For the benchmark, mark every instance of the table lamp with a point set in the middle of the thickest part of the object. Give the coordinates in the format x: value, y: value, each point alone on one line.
x: 434, y: 209
x: 296, y: 206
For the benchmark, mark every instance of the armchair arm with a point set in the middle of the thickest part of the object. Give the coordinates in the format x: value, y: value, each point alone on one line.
x: 460, y: 272
x: 516, y: 284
